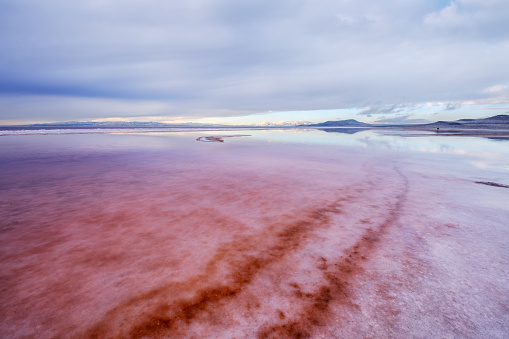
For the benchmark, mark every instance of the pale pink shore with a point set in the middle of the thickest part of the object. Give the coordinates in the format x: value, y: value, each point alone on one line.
x: 285, y: 242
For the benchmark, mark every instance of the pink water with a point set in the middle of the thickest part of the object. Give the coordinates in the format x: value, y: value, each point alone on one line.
x: 273, y: 235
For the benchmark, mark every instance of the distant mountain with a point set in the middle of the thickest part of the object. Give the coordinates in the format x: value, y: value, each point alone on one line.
x: 440, y: 123
x: 100, y: 124
x: 497, y: 119
x: 340, y: 123
x: 110, y: 124
x: 500, y: 122
x: 284, y: 123
x: 495, y: 122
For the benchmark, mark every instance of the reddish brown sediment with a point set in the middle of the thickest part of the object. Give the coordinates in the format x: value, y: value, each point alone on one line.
x: 245, y: 261
x: 107, y: 243
x: 338, y: 277
x: 289, y: 242
x: 204, y: 296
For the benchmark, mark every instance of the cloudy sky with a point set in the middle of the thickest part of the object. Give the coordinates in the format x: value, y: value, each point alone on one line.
x: 253, y: 60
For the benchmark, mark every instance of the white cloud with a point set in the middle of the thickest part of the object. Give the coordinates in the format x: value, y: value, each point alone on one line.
x: 497, y: 90
x: 475, y: 19
x: 448, y: 15
x: 224, y: 57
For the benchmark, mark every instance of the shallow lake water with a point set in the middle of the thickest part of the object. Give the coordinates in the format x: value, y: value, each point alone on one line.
x: 282, y: 233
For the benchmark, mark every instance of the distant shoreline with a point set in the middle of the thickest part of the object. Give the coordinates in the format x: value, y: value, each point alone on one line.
x: 502, y: 133
x: 498, y: 124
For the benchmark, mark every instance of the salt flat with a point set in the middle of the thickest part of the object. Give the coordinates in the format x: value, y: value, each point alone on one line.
x: 291, y: 233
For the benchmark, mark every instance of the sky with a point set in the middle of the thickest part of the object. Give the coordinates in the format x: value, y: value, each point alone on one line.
x: 226, y: 61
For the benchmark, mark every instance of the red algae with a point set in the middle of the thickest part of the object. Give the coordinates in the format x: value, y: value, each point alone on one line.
x: 271, y: 243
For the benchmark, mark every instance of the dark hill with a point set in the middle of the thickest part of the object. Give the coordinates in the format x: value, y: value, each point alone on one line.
x: 341, y: 123
x: 497, y: 119
x: 495, y: 122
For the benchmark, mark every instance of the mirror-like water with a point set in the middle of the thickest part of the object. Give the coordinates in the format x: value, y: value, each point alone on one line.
x: 277, y: 234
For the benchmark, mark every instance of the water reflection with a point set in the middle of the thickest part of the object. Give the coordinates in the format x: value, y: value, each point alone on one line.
x: 368, y: 140
x: 343, y: 130
x: 389, y: 140
x: 281, y: 233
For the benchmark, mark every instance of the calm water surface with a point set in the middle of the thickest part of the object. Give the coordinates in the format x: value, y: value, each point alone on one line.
x: 283, y: 233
